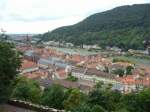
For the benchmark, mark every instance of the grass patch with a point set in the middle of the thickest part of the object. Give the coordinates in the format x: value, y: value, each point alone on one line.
x: 122, y: 60
x: 134, y: 59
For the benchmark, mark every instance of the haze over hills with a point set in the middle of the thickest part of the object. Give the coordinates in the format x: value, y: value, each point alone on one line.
x: 126, y: 27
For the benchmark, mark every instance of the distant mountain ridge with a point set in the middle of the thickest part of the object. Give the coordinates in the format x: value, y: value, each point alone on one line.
x: 125, y: 26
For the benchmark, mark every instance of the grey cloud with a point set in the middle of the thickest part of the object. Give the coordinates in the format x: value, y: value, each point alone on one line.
x: 24, y: 18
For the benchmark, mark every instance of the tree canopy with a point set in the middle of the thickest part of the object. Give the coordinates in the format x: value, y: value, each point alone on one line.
x: 9, y: 65
x: 27, y: 90
x: 54, y: 96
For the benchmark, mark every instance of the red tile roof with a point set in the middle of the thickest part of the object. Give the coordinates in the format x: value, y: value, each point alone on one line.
x: 27, y: 64
x: 130, y: 79
x: 37, y: 74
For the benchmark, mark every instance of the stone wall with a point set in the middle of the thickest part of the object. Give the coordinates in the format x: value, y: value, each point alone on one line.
x: 32, y: 107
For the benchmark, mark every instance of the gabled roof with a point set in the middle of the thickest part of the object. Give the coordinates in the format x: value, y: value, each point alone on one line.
x: 51, y: 62
x: 28, y: 64
x: 45, y: 62
x: 29, y: 53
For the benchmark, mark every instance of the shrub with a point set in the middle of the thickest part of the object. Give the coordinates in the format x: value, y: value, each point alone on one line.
x: 72, y: 78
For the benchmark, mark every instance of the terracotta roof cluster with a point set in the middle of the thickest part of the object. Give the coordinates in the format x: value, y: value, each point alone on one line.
x: 26, y: 64
x: 90, y: 62
x: 37, y: 74
x: 135, y: 80
x: 23, y: 48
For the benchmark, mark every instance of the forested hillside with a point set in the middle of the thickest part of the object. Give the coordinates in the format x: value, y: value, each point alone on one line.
x: 125, y: 27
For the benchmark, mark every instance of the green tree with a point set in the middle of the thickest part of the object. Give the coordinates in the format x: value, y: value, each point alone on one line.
x: 96, y: 97
x: 99, y: 85
x: 129, y: 70
x: 9, y: 64
x: 82, y: 108
x: 108, y: 99
x: 129, y: 100
x: 143, y: 100
x: 138, y: 102
x: 27, y: 90
x: 122, y: 110
x: 98, y: 108
x: 75, y: 99
x: 72, y: 78
x: 54, y: 96
x: 112, y: 100
x: 106, y: 69
x: 119, y: 72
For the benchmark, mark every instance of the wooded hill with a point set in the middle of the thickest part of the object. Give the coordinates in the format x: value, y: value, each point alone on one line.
x: 126, y: 27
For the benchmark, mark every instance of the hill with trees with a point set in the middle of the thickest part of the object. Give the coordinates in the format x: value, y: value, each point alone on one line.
x: 126, y: 27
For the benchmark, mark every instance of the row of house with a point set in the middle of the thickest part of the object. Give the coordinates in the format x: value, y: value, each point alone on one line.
x: 48, y: 63
x: 58, y: 44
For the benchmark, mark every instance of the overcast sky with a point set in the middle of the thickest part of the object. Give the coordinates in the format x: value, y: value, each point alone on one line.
x: 38, y: 16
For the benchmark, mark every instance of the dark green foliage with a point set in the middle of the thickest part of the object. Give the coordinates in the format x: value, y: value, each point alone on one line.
x: 126, y: 27
x: 98, y: 108
x: 9, y: 64
x: 106, y: 69
x: 96, y: 97
x: 144, y: 100
x: 137, y: 102
x: 121, y: 60
x: 86, y: 108
x: 27, y: 90
x: 129, y: 70
x: 117, y: 102
x: 98, y: 100
x: 54, y: 96
x: 74, y: 99
x: 119, y: 72
x: 72, y: 78
x: 108, y: 99
x: 122, y: 110
x: 82, y: 108
x: 99, y: 85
